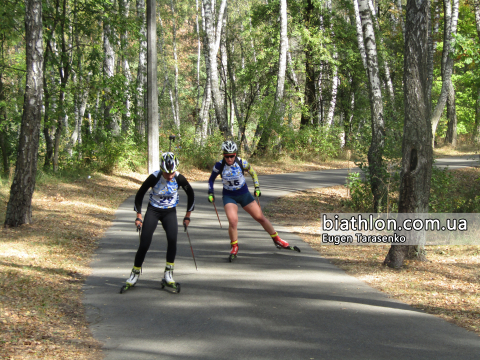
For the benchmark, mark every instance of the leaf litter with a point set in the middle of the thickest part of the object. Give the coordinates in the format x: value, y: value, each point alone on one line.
x: 447, y: 285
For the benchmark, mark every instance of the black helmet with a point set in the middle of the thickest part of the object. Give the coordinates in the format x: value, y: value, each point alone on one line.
x: 169, y: 162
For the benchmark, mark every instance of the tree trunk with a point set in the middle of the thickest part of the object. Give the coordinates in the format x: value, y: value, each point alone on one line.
x: 333, y: 94
x: 375, y: 152
x: 432, y: 44
x: 203, y: 119
x: 310, y: 112
x: 476, y: 129
x: 19, y: 207
x: 213, y: 39
x: 64, y: 72
x: 124, y: 9
x: 142, y: 71
x: 450, y: 27
x: 110, y: 120
x: 361, y: 45
x: 152, y: 95
x: 3, y: 121
x: 451, y: 135
x: 276, y: 115
x: 199, y: 54
x: 176, y: 113
x: 417, y: 130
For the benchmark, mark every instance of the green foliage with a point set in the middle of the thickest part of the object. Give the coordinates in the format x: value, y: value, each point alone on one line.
x: 105, y: 153
x: 192, y: 153
x: 308, y: 143
x: 448, y: 196
x: 441, y: 187
x: 361, y: 197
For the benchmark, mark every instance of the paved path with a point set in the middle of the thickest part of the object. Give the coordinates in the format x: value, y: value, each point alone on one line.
x: 268, y: 304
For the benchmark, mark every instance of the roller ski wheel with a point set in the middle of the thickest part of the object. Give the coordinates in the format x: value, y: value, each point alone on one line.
x: 293, y: 248
x: 125, y: 287
x: 175, y: 286
x: 232, y: 257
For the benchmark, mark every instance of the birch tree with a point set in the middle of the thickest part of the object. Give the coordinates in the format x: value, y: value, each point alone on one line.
x: 451, y: 136
x: 175, y: 105
x: 447, y: 60
x: 213, y: 41
x: 278, y: 110
x: 417, y: 131
x: 142, y: 70
x: 124, y: 10
x: 152, y: 95
x: 375, y: 152
x: 476, y: 129
x: 19, y: 207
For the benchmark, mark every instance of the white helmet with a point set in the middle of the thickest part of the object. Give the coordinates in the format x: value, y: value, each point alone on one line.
x: 169, y: 162
x: 229, y: 147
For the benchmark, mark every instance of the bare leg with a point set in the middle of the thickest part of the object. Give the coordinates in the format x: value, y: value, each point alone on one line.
x: 231, y: 210
x: 256, y: 212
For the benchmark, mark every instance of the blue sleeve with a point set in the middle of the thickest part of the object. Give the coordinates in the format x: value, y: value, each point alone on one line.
x: 213, y: 176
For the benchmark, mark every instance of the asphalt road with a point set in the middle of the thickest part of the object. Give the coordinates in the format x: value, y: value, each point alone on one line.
x: 268, y: 304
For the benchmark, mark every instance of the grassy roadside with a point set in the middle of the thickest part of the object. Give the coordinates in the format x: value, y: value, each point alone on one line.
x: 43, y: 265
x: 448, y: 285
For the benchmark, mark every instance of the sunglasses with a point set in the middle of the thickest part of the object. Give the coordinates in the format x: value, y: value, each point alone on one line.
x: 229, y: 156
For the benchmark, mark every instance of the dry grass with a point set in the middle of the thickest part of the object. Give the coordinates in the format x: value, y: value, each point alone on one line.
x: 43, y: 266
x: 448, y: 285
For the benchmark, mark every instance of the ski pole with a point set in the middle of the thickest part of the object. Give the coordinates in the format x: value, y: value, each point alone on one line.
x: 139, y: 230
x: 217, y: 213
x: 258, y: 200
x: 171, y: 138
x: 188, y: 236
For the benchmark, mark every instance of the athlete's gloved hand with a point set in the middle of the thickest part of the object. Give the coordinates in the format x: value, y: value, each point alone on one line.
x: 258, y: 193
x: 138, y: 223
x: 211, y: 198
x: 186, y: 222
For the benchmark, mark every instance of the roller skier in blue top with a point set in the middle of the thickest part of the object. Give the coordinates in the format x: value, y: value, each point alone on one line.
x: 235, y: 192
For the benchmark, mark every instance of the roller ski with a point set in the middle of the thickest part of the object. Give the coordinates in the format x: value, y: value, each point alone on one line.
x: 233, y: 251
x: 282, y: 244
x: 168, y: 281
x: 132, y: 280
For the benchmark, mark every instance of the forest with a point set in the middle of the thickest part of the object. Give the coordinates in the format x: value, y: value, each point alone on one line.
x: 304, y: 79
x: 89, y: 88
x: 221, y: 72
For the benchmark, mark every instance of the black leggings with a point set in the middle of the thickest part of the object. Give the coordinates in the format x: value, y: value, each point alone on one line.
x: 168, y: 217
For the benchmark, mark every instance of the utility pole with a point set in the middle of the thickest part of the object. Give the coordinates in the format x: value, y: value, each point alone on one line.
x: 152, y: 93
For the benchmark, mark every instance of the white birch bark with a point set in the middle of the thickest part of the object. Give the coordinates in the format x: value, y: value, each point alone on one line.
x: 199, y: 53
x: 213, y: 43
x: 476, y: 129
x: 378, y: 125
x: 152, y: 94
x: 124, y: 6
x: 333, y: 98
x: 176, y: 113
x: 108, y: 72
x: 450, y: 26
x: 361, y: 45
x: 142, y: 69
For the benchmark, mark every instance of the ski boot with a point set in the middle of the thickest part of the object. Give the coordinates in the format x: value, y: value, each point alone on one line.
x: 234, y: 251
x: 168, y: 278
x: 132, y: 280
x: 282, y: 244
